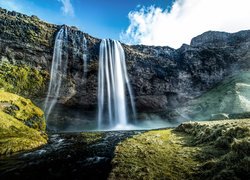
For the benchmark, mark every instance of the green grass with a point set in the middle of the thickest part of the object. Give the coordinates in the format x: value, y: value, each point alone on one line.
x: 15, y: 136
x: 230, y: 96
x: 91, y: 137
x: 22, y: 79
x: 23, y: 110
x: 22, y: 124
x: 225, y: 147
x: 160, y: 154
x: 215, y: 149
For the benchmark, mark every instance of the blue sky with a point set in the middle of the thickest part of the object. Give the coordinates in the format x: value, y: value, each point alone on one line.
x: 150, y: 22
x: 100, y: 18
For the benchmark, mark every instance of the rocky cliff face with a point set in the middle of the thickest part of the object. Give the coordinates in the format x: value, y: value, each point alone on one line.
x: 162, y: 78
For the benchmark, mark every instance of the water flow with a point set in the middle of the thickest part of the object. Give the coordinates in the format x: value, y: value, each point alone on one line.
x: 112, y: 84
x: 58, y: 69
x: 85, y: 57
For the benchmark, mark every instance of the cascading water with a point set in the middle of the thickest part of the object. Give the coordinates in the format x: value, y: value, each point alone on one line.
x: 58, y: 69
x: 112, y: 84
x: 85, y: 57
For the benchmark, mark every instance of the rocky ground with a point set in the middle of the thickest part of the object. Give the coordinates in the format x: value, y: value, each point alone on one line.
x: 193, y: 150
x: 208, y: 79
x: 67, y: 155
x: 162, y: 78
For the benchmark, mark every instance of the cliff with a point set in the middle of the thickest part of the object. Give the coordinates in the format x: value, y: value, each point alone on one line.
x: 162, y: 78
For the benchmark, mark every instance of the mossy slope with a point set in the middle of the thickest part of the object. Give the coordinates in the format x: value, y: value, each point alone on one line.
x: 22, y: 79
x: 22, y: 124
x: 225, y: 148
x: 231, y: 96
x: 209, y: 150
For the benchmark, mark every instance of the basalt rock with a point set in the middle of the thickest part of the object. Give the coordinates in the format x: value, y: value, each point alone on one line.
x: 162, y: 78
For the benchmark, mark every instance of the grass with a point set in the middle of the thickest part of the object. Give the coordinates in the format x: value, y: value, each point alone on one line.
x: 225, y: 148
x: 22, y: 124
x: 15, y: 136
x: 23, y: 110
x: 91, y: 137
x: 230, y: 96
x: 207, y: 150
x: 160, y: 154
x: 22, y: 79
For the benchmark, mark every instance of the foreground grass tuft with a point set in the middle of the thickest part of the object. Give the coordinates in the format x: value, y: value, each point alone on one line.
x: 154, y: 155
x: 206, y: 150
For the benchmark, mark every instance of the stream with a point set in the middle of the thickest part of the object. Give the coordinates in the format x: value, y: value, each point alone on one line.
x: 67, y: 156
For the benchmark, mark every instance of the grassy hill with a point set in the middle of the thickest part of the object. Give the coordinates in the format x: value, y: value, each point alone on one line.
x: 231, y: 96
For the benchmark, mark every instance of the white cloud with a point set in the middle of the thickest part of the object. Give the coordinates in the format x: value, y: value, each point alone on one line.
x: 10, y: 5
x: 186, y: 19
x: 67, y: 7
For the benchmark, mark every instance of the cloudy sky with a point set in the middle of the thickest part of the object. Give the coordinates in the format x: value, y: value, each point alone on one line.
x: 150, y: 22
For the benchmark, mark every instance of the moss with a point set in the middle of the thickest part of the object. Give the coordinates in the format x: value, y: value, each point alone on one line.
x: 27, y: 29
x: 22, y: 124
x: 22, y: 79
x: 91, y: 137
x: 200, y: 150
x: 23, y: 110
x: 160, y: 154
x: 15, y: 136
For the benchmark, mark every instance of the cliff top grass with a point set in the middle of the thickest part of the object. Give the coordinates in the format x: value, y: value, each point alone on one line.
x: 27, y: 28
x: 207, y: 150
x: 22, y: 124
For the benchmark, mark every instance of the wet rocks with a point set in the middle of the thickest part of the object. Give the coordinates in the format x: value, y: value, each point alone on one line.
x: 173, y: 76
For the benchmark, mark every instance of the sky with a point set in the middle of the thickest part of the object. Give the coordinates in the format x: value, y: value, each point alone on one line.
x: 150, y: 22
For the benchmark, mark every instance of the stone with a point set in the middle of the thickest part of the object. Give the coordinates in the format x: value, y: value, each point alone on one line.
x: 176, y: 76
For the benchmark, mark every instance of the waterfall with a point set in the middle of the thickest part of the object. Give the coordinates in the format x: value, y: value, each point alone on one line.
x: 112, y: 85
x: 58, y: 70
x: 85, y: 57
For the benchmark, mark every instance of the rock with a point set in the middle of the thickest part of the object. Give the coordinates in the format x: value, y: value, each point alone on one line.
x: 22, y: 124
x: 229, y: 99
x: 176, y: 76
x: 22, y: 79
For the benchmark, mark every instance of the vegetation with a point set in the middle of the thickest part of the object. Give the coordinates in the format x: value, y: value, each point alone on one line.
x: 22, y: 125
x: 207, y: 150
x: 22, y: 79
x: 91, y: 137
x: 225, y: 148
x: 229, y: 97
x: 159, y: 154
x: 27, y: 29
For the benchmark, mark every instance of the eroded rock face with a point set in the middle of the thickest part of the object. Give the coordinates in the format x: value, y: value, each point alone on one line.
x: 162, y: 78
